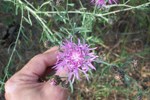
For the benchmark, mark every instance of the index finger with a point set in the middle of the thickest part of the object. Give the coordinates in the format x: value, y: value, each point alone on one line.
x: 37, y: 66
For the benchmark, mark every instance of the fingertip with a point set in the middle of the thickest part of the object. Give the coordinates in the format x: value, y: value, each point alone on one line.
x: 62, y: 72
x: 55, y: 48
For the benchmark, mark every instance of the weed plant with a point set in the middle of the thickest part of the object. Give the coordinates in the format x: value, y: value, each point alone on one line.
x: 118, y: 64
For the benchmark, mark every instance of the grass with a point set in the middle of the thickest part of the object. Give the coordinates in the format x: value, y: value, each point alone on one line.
x: 119, y: 31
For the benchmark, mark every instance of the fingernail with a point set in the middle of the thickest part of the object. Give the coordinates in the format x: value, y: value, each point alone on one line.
x: 61, y: 73
x: 52, y: 82
x: 52, y: 49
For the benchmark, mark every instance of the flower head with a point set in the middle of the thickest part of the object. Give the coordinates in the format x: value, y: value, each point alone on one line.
x: 75, y: 58
x: 103, y: 2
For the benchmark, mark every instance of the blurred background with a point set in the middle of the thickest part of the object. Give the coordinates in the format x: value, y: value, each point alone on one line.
x: 121, y: 33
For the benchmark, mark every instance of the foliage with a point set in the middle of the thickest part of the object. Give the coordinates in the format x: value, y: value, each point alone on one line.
x: 57, y: 20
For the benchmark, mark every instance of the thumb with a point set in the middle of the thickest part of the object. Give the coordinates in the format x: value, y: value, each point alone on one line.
x: 55, y: 92
x: 59, y: 92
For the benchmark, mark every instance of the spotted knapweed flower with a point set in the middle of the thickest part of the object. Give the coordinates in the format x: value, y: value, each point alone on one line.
x: 102, y: 3
x: 75, y: 58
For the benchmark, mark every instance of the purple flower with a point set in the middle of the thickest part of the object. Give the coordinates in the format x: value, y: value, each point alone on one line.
x: 75, y: 58
x: 103, y: 2
x: 112, y: 1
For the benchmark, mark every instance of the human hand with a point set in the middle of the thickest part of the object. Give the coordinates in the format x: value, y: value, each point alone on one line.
x: 24, y: 85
